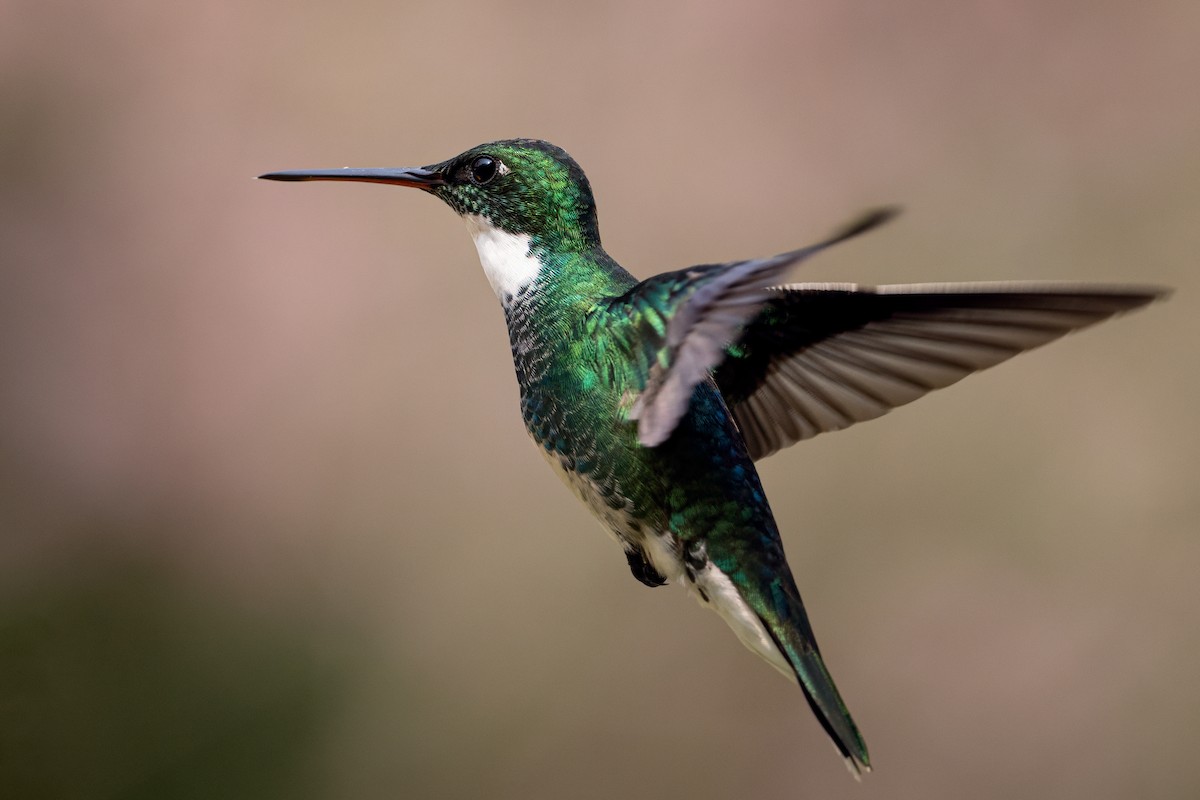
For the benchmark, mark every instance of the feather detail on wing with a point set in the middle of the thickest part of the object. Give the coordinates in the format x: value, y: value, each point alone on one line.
x: 821, y: 357
x: 673, y: 329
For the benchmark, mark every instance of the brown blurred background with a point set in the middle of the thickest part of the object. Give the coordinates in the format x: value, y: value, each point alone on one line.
x: 269, y: 522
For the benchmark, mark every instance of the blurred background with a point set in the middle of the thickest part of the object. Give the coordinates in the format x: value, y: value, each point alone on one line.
x: 270, y: 525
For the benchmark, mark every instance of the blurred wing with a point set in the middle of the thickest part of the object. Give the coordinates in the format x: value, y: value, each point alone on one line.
x: 821, y: 357
x: 674, y: 328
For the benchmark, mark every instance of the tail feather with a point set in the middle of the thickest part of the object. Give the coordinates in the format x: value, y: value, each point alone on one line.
x: 800, y: 648
x: 754, y: 592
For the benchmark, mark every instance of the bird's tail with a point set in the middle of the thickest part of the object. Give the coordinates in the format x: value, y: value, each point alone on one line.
x: 826, y: 703
x: 749, y: 584
x: 782, y: 614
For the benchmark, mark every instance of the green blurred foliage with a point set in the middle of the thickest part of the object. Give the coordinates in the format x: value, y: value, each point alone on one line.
x: 124, y: 682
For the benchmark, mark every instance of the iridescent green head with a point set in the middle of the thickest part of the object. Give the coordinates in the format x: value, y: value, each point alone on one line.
x: 522, y: 186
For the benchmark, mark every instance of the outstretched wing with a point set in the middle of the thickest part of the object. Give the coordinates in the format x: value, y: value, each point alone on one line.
x: 821, y: 357
x: 673, y: 329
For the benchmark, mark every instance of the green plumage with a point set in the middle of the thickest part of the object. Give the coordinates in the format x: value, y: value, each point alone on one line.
x: 653, y: 399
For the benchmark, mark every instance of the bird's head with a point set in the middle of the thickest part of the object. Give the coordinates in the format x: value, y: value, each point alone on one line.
x: 521, y: 186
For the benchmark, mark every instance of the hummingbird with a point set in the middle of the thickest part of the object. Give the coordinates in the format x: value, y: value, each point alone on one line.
x: 653, y: 399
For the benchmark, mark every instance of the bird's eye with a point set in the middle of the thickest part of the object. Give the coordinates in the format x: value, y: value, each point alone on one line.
x: 483, y: 169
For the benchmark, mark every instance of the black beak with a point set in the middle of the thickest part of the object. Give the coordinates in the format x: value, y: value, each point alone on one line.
x: 418, y: 177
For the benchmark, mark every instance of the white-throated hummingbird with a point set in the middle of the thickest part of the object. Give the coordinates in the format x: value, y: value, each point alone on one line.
x: 653, y: 399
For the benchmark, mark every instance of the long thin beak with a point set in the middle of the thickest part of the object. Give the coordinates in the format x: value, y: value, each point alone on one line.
x: 418, y: 177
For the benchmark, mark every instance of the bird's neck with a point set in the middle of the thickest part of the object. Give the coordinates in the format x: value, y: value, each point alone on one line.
x: 521, y: 269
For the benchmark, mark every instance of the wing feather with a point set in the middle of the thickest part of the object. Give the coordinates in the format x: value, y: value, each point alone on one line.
x: 704, y: 308
x: 821, y: 357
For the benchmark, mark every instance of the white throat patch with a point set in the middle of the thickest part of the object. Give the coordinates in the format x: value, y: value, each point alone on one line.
x: 505, y: 257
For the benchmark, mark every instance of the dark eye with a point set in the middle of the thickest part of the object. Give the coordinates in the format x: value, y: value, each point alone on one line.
x: 483, y: 169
